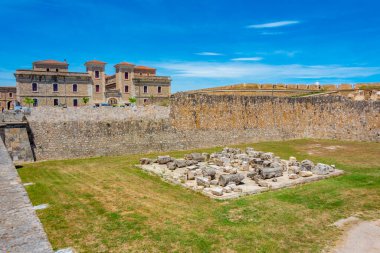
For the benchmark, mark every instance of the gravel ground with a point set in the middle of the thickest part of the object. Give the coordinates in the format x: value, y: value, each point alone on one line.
x: 363, y: 237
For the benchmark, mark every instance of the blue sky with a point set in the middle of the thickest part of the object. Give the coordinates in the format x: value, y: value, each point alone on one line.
x: 199, y: 43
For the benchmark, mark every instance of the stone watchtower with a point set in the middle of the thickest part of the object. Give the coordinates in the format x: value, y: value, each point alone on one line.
x: 124, y: 80
x: 96, y: 70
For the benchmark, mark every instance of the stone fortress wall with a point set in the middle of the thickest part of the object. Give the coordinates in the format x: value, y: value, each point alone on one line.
x: 303, y: 87
x: 198, y: 120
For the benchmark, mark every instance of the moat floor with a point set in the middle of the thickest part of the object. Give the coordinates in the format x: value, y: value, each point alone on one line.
x: 105, y: 204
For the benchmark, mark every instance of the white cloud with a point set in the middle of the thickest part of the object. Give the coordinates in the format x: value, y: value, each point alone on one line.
x: 247, y: 59
x: 262, y: 72
x: 274, y: 24
x: 208, y: 54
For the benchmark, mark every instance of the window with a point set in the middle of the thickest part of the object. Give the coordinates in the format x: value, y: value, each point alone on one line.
x: 145, y: 89
x: 126, y: 75
x: 56, y: 70
x: 47, y: 69
x: 126, y: 89
x: 97, y: 74
x: 75, y: 87
x: 140, y: 74
x: 35, y: 102
x: 34, y: 87
x: 145, y: 100
x: 56, y: 102
x: 75, y: 102
x: 97, y: 88
x: 55, y: 87
x: 159, y: 89
x: 11, y: 95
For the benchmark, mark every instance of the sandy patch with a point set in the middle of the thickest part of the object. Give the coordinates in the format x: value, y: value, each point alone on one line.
x: 363, y: 237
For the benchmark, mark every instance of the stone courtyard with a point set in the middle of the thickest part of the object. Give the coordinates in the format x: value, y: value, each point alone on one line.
x: 232, y: 172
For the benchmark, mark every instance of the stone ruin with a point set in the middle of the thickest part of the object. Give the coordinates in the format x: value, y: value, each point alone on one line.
x: 233, y: 172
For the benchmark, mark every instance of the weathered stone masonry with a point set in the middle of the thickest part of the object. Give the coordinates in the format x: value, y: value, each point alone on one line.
x: 204, y: 121
x: 330, y: 117
x: 20, y: 229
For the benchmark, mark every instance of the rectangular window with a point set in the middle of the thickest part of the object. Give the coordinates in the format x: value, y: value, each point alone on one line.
x: 55, y: 87
x: 159, y: 89
x: 75, y: 87
x: 56, y: 70
x: 75, y: 102
x: 126, y: 89
x: 97, y: 88
x: 47, y: 70
x: 11, y: 95
x: 145, y: 89
x: 97, y: 74
x: 35, y: 102
x: 145, y: 100
x: 126, y: 75
x: 34, y: 87
x: 56, y: 102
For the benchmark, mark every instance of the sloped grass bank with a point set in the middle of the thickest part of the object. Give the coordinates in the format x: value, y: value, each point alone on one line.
x: 105, y: 204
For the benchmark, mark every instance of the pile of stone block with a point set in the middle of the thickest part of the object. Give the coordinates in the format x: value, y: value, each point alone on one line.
x: 233, y: 170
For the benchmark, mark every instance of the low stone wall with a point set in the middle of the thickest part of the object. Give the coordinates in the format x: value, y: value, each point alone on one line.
x: 203, y: 121
x: 11, y: 116
x: 20, y: 228
x: 89, y: 113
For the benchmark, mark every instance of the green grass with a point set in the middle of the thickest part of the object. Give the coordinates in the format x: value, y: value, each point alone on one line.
x: 105, y: 204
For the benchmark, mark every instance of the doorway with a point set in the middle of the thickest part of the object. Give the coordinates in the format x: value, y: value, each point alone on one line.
x: 112, y: 101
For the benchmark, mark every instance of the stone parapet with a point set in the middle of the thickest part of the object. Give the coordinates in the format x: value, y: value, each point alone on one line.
x: 20, y: 230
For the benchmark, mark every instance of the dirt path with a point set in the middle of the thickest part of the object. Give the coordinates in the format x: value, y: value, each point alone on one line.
x: 363, y: 237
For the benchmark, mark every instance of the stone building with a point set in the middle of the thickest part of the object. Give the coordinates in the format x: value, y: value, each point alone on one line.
x: 7, y: 97
x: 128, y: 81
x: 50, y: 83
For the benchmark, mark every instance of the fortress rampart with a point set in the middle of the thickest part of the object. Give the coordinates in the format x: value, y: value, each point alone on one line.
x: 198, y: 120
x: 294, y: 87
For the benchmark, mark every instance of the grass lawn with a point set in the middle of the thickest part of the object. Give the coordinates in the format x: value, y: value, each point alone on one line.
x: 106, y: 205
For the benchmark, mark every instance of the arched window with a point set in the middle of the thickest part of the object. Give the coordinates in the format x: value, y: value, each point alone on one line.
x: 75, y: 87
x: 55, y: 87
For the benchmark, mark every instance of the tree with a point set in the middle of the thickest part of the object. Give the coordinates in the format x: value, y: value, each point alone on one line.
x: 85, y: 100
x: 132, y: 100
x: 28, y: 101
